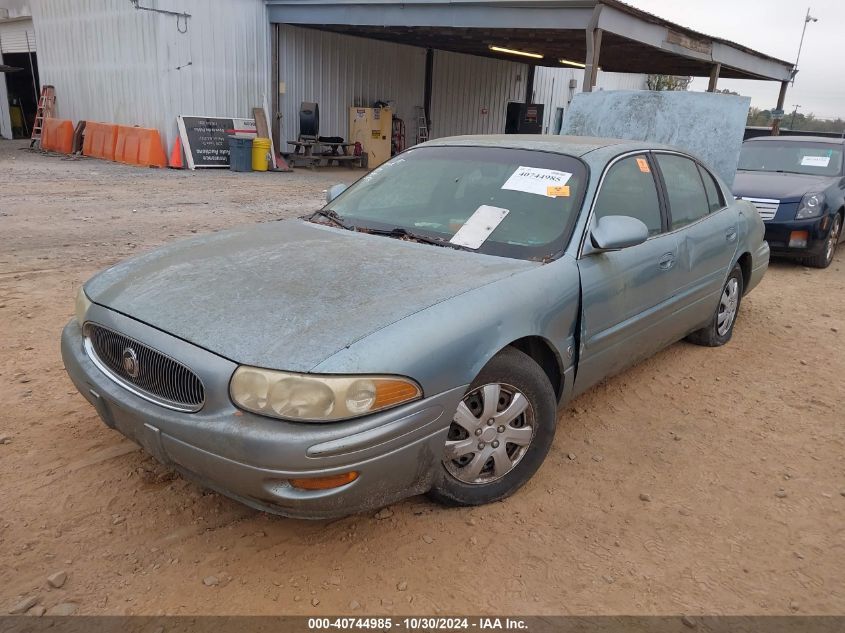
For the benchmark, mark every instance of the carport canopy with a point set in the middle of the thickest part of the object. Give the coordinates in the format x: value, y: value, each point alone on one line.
x: 605, y: 34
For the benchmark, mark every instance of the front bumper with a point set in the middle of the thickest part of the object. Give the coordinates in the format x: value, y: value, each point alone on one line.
x: 251, y: 458
x: 778, y: 234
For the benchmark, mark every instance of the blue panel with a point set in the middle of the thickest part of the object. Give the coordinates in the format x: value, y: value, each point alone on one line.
x: 706, y: 124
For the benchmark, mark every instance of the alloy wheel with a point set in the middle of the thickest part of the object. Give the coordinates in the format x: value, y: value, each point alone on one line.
x: 489, y: 435
x: 727, y: 306
x: 833, y: 238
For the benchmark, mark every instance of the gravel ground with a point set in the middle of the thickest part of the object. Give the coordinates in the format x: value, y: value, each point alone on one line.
x: 700, y: 481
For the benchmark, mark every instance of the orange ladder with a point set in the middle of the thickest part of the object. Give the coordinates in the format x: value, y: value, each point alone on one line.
x: 46, y: 106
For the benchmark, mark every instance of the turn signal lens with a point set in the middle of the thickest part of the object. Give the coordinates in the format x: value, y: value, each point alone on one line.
x: 798, y: 239
x: 324, y: 483
x: 82, y: 305
x: 314, y: 398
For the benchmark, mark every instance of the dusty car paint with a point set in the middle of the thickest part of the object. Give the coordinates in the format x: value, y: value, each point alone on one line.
x: 291, y: 296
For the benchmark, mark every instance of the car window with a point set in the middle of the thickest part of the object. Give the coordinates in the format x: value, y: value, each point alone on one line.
x: 714, y: 193
x: 684, y: 188
x: 629, y: 189
x: 795, y: 156
x: 527, y: 201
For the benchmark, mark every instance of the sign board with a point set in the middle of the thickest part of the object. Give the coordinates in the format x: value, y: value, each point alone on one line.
x: 205, y: 139
x: 777, y: 114
x: 706, y: 124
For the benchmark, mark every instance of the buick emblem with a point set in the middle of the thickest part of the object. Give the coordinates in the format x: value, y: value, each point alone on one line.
x: 130, y: 363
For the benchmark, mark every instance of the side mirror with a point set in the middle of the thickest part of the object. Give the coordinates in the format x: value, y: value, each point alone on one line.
x: 334, y: 191
x: 615, y: 232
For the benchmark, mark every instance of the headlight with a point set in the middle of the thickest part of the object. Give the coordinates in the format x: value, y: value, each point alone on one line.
x: 811, y: 206
x: 82, y: 305
x: 313, y: 398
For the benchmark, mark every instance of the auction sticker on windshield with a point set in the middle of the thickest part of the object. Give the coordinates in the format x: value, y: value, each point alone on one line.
x: 536, y: 180
x: 815, y: 161
x: 479, y: 226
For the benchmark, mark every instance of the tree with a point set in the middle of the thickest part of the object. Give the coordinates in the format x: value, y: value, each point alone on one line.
x: 668, y: 82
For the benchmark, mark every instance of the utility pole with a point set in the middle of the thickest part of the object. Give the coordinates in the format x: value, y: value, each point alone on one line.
x: 794, y: 112
x: 807, y: 19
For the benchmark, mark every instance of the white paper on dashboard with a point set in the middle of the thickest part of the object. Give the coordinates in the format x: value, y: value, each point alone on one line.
x: 479, y: 226
x: 536, y: 180
x: 815, y: 161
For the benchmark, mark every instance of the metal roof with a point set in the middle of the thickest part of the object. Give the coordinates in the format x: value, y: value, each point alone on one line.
x: 570, y: 145
x: 634, y: 41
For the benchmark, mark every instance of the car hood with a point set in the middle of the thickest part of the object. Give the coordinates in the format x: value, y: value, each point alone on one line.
x: 783, y: 187
x: 288, y: 295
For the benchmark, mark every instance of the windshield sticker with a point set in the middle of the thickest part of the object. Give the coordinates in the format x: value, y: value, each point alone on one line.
x: 815, y: 161
x: 536, y: 180
x: 642, y: 163
x: 554, y: 192
x: 479, y: 226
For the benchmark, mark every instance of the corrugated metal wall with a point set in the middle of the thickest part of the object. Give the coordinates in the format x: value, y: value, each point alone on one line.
x: 552, y: 88
x: 17, y: 36
x: 470, y: 94
x: 341, y: 71
x: 5, y: 119
x: 111, y: 62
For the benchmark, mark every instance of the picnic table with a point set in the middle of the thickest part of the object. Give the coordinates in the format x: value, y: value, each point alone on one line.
x: 311, y: 153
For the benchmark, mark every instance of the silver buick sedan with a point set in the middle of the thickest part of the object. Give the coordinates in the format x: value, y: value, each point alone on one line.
x: 420, y: 332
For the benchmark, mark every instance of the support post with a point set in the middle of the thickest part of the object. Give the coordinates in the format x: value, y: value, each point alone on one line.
x: 714, y: 77
x: 781, y: 100
x: 591, y: 65
x: 529, y: 83
x: 429, y: 80
x: 591, y: 61
x: 275, y: 99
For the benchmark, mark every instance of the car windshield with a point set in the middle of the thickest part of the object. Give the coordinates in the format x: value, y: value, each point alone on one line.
x: 798, y: 157
x: 509, y: 202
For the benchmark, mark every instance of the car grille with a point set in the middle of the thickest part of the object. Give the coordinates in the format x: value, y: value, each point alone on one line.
x: 143, y: 370
x: 766, y: 207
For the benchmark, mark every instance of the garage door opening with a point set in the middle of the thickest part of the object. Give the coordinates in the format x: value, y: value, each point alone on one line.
x: 22, y: 88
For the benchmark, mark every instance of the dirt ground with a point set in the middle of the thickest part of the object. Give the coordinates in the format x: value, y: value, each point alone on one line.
x: 741, y: 451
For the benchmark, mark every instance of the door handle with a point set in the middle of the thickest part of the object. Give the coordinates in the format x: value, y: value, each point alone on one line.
x: 730, y: 235
x: 666, y: 261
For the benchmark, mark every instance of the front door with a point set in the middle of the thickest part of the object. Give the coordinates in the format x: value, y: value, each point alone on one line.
x: 628, y: 296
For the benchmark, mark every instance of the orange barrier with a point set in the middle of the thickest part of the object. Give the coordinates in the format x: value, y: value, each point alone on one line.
x: 57, y: 135
x: 139, y: 146
x: 100, y: 139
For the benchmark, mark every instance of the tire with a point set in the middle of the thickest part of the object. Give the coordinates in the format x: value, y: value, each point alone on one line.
x: 715, y: 334
x: 826, y: 257
x: 518, y: 386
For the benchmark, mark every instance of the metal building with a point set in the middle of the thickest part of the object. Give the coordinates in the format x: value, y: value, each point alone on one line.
x: 143, y: 62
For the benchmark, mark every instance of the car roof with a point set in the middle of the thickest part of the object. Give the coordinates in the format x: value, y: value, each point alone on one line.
x: 799, y: 139
x: 571, y: 145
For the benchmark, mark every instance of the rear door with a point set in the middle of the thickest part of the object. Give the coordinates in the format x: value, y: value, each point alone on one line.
x: 706, y: 228
x: 628, y: 296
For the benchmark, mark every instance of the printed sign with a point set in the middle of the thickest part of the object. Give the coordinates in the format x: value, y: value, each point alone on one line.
x: 479, y: 226
x: 642, y: 163
x: 205, y: 139
x: 536, y: 180
x: 815, y: 161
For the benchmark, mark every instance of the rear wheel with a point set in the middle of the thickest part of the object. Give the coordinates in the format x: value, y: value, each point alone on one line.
x: 500, y: 434
x: 721, y: 326
x: 824, y: 259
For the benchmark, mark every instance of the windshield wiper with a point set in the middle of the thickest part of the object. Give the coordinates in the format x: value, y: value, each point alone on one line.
x: 334, y: 217
x: 400, y: 232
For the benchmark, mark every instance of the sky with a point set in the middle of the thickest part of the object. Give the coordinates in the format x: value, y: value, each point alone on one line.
x: 774, y: 27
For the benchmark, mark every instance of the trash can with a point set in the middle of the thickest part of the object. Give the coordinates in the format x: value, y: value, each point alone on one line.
x: 260, y: 154
x: 240, y: 153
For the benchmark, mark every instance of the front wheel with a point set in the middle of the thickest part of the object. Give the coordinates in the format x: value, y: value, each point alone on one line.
x: 824, y: 259
x: 500, y: 434
x: 721, y: 326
